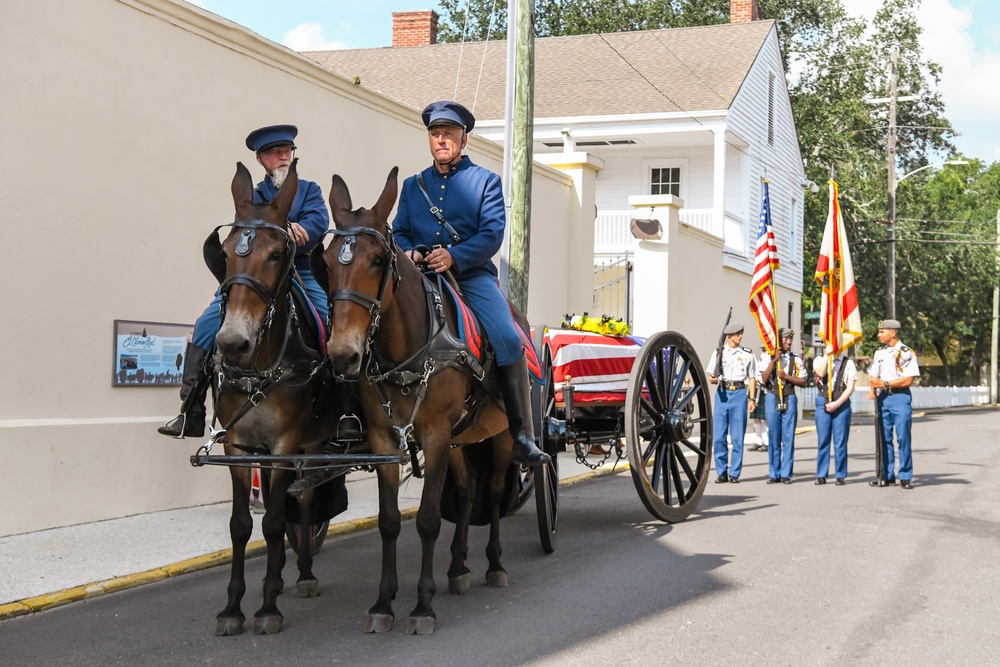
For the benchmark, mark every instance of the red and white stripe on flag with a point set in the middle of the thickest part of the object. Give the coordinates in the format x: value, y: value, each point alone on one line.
x: 765, y: 262
x: 598, y: 365
x: 840, y: 318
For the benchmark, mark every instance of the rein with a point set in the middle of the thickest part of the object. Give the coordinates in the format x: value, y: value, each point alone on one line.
x: 255, y: 382
x: 438, y: 352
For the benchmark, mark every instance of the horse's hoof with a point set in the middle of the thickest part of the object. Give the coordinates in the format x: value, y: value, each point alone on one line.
x: 307, y: 588
x: 228, y: 626
x: 459, y: 585
x: 379, y: 622
x: 421, y: 625
x: 267, y: 625
x: 496, y: 579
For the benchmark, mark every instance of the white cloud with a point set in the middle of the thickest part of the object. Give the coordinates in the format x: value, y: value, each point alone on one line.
x: 309, y: 37
x: 969, y: 69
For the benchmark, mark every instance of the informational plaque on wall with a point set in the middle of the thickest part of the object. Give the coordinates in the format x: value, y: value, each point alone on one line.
x: 149, y: 354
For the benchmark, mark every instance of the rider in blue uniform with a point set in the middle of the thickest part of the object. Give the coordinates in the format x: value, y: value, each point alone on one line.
x: 463, y: 239
x: 308, y: 220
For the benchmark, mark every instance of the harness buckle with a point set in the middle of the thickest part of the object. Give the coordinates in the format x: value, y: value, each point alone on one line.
x: 257, y: 397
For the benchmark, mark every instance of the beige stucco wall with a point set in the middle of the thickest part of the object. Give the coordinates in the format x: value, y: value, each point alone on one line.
x: 125, y: 119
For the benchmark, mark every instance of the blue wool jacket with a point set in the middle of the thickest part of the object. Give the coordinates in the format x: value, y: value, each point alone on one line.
x: 308, y: 209
x: 471, y: 200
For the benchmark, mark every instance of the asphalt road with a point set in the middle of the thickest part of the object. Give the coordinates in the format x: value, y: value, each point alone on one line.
x: 759, y: 575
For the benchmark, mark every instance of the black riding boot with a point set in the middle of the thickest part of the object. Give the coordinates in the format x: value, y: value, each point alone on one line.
x: 349, y: 427
x: 194, y: 387
x: 515, y: 387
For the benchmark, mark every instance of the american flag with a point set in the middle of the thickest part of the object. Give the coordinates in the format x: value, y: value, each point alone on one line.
x: 766, y: 261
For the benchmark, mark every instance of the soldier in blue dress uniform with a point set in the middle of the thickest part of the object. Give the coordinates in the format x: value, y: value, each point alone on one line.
x: 308, y: 219
x: 788, y: 369
x: 729, y: 416
x: 893, y: 368
x: 451, y: 216
x: 833, y: 413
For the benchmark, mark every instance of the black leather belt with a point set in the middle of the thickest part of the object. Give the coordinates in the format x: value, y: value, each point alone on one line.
x: 733, y: 386
x: 905, y: 390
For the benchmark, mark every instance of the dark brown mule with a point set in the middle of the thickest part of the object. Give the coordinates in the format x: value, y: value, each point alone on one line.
x: 380, y: 332
x: 272, y: 382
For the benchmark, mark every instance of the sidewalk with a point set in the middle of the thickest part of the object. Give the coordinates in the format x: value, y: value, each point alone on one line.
x: 53, y: 567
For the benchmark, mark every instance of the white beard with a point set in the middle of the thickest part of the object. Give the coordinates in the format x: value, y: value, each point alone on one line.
x: 279, y: 175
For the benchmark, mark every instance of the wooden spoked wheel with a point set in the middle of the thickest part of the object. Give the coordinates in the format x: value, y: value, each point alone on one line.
x: 668, y: 426
x: 546, y: 475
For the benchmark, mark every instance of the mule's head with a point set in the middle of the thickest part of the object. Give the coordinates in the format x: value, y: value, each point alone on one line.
x: 358, y: 271
x: 253, y: 265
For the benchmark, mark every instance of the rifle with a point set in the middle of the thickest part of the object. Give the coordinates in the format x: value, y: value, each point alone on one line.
x: 880, y: 447
x: 722, y: 341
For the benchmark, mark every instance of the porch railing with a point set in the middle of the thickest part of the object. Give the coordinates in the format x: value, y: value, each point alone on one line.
x: 611, y: 234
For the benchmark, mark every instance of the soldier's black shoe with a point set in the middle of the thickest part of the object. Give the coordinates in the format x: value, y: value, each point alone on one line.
x: 773, y: 480
x: 820, y: 481
x: 840, y: 481
x: 905, y: 483
x: 786, y: 480
x: 722, y: 479
x: 734, y: 480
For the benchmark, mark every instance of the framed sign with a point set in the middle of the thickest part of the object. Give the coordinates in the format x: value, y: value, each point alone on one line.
x: 149, y: 354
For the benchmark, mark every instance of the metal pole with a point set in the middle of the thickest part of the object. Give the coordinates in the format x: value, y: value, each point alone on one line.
x: 890, y: 231
x: 996, y: 317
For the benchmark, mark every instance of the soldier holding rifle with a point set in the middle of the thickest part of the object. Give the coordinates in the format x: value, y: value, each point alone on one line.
x: 892, y: 371
x: 737, y: 375
x: 785, y: 372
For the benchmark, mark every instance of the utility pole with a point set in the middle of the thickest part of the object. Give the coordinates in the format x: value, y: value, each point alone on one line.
x: 890, y: 230
x: 996, y: 317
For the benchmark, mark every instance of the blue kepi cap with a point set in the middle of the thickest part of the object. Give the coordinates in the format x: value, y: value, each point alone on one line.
x: 272, y: 136
x: 448, y: 113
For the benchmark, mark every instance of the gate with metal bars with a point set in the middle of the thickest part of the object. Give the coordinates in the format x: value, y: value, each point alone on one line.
x: 613, y: 285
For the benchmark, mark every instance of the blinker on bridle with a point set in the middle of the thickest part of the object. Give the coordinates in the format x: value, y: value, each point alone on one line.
x: 346, y: 256
x: 245, y: 244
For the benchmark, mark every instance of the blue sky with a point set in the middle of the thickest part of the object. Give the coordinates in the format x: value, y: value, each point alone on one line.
x: 963, y: 36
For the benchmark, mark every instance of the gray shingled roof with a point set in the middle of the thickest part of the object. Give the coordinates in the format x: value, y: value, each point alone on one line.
x: 652, y: 71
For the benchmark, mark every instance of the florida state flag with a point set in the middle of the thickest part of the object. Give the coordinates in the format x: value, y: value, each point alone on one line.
x: 840, y: 319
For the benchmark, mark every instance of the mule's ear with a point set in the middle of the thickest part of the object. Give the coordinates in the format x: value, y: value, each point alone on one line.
x: 243, y: 193
x: 340, y: 202
x: 387, y: 199
x: 318, y: 266
x: 215, y: 257
x: 282, y: 203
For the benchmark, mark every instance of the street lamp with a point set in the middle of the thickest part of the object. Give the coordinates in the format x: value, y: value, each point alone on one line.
x: 890, y: 233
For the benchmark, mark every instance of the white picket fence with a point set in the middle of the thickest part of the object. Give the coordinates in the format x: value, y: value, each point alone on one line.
x: 923, y: 398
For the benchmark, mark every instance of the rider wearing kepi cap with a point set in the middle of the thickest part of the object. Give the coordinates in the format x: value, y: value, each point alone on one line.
x: 455, y: 208
x: 274, y: 147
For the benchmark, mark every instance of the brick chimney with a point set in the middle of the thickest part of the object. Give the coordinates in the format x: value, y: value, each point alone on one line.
x: 740, y: 11
x: 414, y: 28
